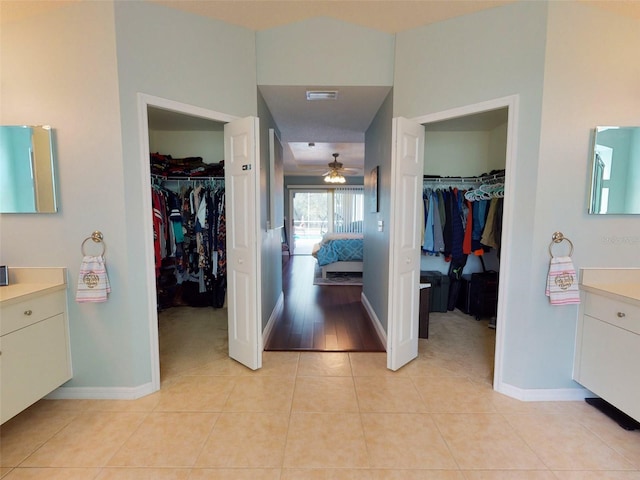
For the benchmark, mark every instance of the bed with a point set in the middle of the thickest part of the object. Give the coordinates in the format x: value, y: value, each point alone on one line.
x: 339, y: 252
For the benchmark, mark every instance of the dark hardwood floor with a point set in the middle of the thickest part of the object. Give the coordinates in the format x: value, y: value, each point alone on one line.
x: 320, y: 318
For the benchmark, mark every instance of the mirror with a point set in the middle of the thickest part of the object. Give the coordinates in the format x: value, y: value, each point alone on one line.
x: 615, y: 180
x: 27, y: 173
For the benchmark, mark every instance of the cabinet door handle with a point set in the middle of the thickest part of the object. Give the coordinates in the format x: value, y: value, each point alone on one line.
x: 28, y: 312
x: 621, y: 315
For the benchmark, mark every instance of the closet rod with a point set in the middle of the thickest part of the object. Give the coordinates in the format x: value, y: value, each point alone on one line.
x: 186, y: 179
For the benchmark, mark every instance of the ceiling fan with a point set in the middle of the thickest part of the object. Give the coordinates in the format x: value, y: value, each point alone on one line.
x: 336, y: 170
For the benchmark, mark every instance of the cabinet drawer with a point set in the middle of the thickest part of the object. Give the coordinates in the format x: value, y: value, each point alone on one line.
x: 620, y: 314
x: 20, y: 315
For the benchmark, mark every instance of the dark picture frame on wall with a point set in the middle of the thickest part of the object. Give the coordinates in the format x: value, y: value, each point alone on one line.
x: 373, y: 185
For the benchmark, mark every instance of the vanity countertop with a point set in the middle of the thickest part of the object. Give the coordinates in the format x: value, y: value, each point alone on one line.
x: 619, y: 284
x: 625, y: 292
x: 27, y: 282
x: 16, y: 293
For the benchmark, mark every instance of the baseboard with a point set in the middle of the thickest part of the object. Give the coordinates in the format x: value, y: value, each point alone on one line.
x: 275, y: 314
x: 374, y: 319
x: 543, y: 394
x: 101, y: 393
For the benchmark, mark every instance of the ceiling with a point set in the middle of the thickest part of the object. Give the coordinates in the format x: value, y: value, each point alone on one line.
x: 332, y: 125
x: 391, y: 16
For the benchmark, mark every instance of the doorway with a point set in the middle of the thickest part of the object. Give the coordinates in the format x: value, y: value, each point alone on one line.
x: 511, y: 104
x: 310, y: 216
x: 243, y: 130
x: 316, y: 211
x: 322, y: 314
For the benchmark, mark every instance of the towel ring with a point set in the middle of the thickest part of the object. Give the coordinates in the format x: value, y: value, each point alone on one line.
x: 97, y: 238
x: 558, y: 237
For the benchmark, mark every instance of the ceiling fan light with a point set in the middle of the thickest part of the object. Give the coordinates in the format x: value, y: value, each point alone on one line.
x: 334, y: 177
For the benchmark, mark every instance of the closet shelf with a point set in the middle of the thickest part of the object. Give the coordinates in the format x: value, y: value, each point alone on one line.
x: 471, y: 180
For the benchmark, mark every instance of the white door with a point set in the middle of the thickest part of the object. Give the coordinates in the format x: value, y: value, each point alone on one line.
x: 241, y: 174
x: 404, y: 259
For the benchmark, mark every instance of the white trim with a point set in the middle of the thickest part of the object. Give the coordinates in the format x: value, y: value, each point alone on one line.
x: 275, y: 314
x: 512, y: 103
x: 544, y: 394
x: 374, y: 319
x: 145, y: 101
x: 101, y: 393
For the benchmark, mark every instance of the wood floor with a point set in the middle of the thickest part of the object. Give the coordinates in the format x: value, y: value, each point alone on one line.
x: 320, y: 318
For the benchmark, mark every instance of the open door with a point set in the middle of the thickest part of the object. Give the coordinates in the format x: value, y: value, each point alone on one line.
x: 404, y: 258
x: 241, y: 174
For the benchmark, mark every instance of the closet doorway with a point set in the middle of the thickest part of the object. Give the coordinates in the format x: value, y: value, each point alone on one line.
x: 499, y: 118
x: 187, y: 188
x: 240, y: 148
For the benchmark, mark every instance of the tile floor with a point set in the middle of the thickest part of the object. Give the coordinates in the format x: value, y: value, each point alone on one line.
x: 318, y: 416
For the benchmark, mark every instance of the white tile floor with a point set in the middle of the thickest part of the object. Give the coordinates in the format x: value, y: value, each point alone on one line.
x: 318, y: 416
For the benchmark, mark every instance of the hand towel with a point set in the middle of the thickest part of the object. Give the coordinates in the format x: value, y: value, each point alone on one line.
x: 562, y: 285
x: 93, y: 282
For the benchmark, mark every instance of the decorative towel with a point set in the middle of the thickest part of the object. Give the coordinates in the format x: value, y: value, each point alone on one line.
x: 562, y: 285
x: 93, y: 282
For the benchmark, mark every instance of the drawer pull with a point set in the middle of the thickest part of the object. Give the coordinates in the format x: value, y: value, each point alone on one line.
x: 28, y: 312
x: 621, y: 315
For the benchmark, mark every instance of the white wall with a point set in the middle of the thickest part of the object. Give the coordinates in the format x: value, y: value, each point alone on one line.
x: 98, y: 56
x: 271, y: 239
x: 497, y: 148
x: 324, y: 51
x: 543, y: 53
x: 464, y: 154
x: 589, y: 81
x: 375, y: 273
x: 472, y: 59
x: 185, y: 58
x: 78, y: 96
x: 181, y: 144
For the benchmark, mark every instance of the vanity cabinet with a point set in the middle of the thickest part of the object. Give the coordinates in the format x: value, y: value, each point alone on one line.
x: 607, y: 360
x: 35, y: 357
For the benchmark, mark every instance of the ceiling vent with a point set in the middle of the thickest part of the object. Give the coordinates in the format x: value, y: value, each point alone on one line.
x: 322, y: 94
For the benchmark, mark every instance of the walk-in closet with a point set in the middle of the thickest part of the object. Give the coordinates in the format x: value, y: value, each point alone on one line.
x: 463, y: 201
x: 189, y: 226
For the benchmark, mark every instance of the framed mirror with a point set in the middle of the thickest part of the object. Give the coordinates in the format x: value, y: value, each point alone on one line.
x: 27, y: 170
x: 615, y: 177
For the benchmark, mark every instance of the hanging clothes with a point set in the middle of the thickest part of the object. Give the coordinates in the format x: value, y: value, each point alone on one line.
x: 188, y: 229
x: 469, y: 219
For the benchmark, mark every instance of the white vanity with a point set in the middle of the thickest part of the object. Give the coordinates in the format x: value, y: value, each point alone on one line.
x: 607, y: 356
x: 35, y: 357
